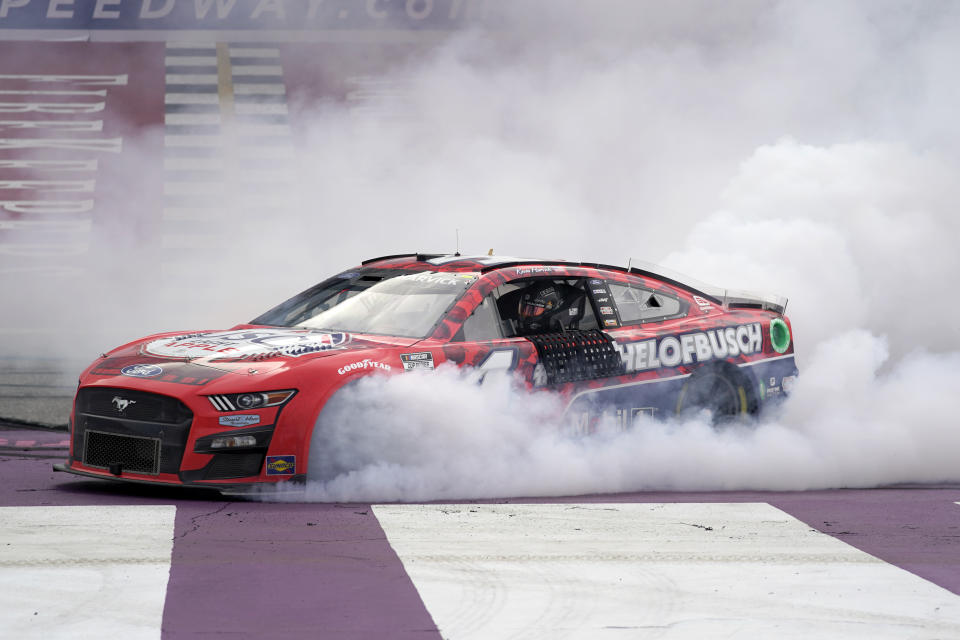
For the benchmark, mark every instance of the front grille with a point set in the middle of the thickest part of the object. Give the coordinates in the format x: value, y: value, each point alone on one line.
x: 131, y: 417
x: 233, y: 465
x: 132, y: 405
x: 132, y: 453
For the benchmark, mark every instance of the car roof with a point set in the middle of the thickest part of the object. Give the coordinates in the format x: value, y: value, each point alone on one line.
x: 483, y: 263
x: 454, y: 262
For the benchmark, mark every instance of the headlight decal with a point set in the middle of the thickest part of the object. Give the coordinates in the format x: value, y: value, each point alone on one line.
x: 222, y: 403
x: 251, y: 400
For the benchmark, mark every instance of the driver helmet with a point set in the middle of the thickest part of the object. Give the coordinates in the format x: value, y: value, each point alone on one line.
x: 543, y: 307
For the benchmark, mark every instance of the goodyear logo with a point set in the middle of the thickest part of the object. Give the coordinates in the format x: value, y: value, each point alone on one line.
x: 281, y: 465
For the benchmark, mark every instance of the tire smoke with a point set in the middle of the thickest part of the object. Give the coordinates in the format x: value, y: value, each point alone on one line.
x: 817, y: 138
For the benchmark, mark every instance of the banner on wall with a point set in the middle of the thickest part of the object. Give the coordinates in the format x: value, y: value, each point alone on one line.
x: 239, y: 15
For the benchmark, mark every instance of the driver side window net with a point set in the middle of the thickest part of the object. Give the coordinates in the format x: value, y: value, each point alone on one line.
x: 544, y: 305
x: 638, y: 305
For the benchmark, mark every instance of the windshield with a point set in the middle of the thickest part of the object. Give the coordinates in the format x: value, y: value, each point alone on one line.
x: 383, y: 303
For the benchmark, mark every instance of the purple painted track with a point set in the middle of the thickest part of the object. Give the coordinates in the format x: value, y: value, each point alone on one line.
x: 253, y: 570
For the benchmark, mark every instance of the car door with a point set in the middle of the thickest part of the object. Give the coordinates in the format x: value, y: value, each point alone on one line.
x: 484, y: 343
x: 641, y: 312
x: 567, y: 347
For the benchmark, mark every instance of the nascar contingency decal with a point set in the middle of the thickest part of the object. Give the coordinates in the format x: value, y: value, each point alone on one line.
x: 413, y: 361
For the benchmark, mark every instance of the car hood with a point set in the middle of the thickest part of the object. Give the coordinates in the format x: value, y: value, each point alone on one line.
x: 198, y: 358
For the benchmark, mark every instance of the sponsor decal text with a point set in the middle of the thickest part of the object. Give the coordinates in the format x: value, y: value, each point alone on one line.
x: 688, y: 348
x: 142, y: 371
x: 421, y: 360
x: 281, y: 465
x: 364, y: 364
x: 242, y: 420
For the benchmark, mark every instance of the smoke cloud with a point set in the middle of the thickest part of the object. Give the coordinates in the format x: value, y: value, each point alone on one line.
x: 801, y: 149
x: 414, y: 437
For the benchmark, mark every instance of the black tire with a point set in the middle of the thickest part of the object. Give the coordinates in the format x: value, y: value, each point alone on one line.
x: 721, y: 389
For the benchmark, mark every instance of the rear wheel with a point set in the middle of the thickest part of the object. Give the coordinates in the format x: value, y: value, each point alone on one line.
x: 720, y: 389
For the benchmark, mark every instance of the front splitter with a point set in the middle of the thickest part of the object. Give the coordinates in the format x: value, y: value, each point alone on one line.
x: 228, y: 489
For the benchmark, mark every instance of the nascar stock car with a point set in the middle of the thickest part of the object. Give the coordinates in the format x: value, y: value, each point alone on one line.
x: 237, y: 408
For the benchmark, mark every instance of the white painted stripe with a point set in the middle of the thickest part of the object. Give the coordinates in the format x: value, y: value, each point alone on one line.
x: 235, y: 174
x: 253, y: 176
x: 259, y: 108
x: 280, y: 150
x: 191, y: 45
x: 256, y: 70
x: 253, y: 89
x: 271, y: 201
x: 192, y: 141
x: 191, y: 78
x: 84, y: 572
x: 246, y: 52
x: 47, y: 92
x: 192, y: 118
x: 653, y: 570
x: 191, y: 61
x: 192, y: 98
x: 193, y: 188
x: 193, y: 164
x: 192, y: 214
x: 80, y: 226
x: 262, y: 129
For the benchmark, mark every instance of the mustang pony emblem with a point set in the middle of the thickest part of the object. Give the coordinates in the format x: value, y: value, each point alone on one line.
x: 122, y: 403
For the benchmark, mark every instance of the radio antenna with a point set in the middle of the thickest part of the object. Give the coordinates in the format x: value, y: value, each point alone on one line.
x: 458, y: 243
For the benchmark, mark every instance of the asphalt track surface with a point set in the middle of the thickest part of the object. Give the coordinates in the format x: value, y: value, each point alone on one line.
x: 196, y: 565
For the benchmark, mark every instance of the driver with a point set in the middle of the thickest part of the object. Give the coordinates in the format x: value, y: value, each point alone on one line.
x: 547, y: 307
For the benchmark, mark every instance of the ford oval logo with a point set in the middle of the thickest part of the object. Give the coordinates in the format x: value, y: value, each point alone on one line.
x: 142, y: 371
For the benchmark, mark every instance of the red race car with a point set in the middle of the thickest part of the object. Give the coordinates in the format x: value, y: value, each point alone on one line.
x: 236, y: 408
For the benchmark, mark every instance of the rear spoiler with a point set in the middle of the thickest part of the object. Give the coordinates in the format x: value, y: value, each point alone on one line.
x: 726, y: 298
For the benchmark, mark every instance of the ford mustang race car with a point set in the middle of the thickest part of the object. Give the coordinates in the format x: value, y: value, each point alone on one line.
x: 236, y: 408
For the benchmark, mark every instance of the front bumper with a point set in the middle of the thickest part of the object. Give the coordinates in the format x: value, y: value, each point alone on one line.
x: 152, y: 438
